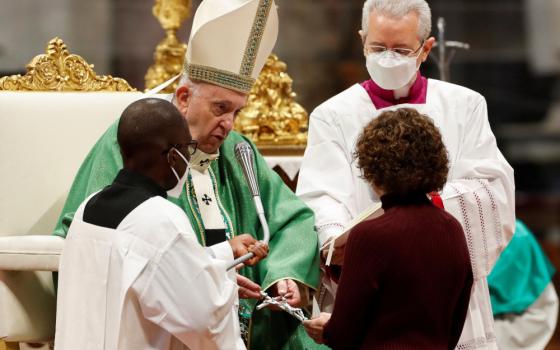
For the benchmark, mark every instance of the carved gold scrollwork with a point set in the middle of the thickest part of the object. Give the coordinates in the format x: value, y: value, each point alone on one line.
x: 59, y: 70
x: 170, y: 52
x: 272, y: 117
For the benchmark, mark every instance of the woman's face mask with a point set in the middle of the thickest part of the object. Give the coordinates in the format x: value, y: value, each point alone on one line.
x: 176, y: 191
x: 390, y: 70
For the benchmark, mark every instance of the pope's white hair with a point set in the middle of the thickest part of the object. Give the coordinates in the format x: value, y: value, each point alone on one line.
x: 398, y: 9
x: 191, y: 84
x: 185, y: 80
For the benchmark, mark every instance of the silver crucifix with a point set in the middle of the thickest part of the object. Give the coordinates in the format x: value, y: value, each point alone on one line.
x: 443, y: 59
x: 282, y: 303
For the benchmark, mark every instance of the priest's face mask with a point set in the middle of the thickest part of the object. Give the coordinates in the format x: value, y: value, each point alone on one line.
x: 178, y: 157
x: 393, y: 49
x: 210, y: 112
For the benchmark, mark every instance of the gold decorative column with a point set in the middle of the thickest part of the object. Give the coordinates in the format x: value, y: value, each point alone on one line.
x: 272, y: 119
x: 170, y: 52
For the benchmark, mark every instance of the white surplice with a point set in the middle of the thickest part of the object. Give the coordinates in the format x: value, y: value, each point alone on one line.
x: 479, y: 192
x: 148, y: 284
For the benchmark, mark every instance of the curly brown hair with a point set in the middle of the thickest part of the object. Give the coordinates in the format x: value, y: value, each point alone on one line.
x: 401, y: 151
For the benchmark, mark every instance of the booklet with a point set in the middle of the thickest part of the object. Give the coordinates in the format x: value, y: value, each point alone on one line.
x: 335, y: 246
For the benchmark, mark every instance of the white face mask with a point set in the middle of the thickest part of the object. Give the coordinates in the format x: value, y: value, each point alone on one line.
x: 391, y: 71
x: 176, y: 191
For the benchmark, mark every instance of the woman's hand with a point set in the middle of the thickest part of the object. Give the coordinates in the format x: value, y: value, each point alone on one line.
x: 314, y: 327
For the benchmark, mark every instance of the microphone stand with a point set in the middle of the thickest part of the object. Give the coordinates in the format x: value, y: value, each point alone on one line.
x: 244, y: 155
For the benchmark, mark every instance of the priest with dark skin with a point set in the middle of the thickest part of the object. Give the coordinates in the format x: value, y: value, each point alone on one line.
x: 145, y: 274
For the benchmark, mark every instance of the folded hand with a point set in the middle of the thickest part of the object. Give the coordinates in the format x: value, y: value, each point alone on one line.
x: 245, y: 243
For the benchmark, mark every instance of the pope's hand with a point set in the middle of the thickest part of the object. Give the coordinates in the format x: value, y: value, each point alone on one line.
x: 288, y: 289
x: 247, y: 288
x: 314, y: 327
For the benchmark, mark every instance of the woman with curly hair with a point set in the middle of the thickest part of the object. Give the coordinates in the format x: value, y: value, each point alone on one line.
x: 406, y: 277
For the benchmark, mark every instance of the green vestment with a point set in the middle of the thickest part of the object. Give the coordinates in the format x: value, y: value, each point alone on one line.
x: 293, y: 241
x: 520, y: 275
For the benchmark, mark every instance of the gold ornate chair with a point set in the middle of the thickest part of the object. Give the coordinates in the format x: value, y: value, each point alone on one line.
x: 50, y: 118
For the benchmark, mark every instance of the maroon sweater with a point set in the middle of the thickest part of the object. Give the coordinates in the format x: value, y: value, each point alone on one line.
x: 406, y: 280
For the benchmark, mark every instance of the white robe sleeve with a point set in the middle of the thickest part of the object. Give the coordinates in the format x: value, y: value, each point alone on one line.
x: 326, y: 181
x: 186, y: 292
x: 221, y: 251
x: 480, y: 192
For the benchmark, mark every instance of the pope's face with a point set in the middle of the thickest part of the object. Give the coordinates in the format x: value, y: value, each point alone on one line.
x: 210, y: 111
x: 394, y: 33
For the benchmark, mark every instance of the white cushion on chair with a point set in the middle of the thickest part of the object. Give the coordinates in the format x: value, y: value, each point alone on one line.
x: 44, y: 138
x: 30, y: 253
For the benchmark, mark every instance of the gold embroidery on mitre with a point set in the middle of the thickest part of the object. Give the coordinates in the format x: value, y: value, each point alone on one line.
x: 255, y: 37
x: 219, y: 77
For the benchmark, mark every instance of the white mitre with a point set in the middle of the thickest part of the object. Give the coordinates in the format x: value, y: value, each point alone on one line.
x: 230, y: 42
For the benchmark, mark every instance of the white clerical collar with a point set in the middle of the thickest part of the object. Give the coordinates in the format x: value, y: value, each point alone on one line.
x: 200, y: 161
x: 405, y: 90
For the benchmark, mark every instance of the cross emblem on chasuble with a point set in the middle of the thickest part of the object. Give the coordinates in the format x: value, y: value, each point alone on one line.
x: 206, y: 199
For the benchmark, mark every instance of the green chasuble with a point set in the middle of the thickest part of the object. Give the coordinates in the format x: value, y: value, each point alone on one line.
x: 293, y: 242
x: 520, y: 275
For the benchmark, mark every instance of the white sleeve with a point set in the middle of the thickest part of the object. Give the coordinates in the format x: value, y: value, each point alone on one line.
x: 480, y: 193
x: 186, y: 292
x: 221, y: 251
x: 326, y: 182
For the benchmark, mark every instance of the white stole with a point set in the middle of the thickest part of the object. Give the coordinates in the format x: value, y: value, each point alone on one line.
x: 206, y: 191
